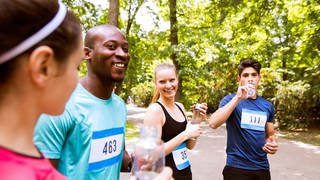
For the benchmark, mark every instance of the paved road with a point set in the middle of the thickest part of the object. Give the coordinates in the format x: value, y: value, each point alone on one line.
x: 293, y: 161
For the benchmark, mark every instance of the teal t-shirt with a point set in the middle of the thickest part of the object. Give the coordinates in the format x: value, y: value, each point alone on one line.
x: 88, y: 138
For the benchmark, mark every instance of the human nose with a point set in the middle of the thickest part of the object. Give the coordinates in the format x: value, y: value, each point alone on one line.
x: 168, y: 84
x: 250, y: 78
x: 121, y: 53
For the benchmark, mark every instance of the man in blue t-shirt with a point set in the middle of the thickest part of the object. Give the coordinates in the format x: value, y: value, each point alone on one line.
x: 249, y: 121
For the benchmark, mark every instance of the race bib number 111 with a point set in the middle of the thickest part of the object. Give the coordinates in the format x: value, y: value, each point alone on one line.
x: 255, y: 120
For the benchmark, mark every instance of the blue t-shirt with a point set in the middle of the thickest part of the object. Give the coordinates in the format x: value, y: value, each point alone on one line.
x: 246, y: 133
x: 88, y: 138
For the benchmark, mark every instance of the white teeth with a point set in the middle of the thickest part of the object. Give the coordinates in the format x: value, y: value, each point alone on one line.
x: 121, y: 65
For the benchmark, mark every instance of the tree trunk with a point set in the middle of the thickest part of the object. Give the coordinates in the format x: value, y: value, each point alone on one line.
x: 132, y: 12
x: 284, y: 67
x: 174, y: 41
x: 113, y: 12
x: 113, y: 19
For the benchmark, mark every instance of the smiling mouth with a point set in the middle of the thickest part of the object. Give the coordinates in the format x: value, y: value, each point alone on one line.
x: 120, y: 65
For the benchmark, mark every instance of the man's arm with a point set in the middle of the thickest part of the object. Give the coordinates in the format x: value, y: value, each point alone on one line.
x: 271, y: 145
x: 222, y: 114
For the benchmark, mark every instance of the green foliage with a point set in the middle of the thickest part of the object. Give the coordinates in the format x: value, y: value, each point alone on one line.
x: 89, y: 14
x: 142, y: 94
x: 214, y: 36
x: 292, y: 108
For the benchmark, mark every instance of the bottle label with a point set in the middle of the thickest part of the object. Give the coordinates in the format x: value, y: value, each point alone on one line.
x: 106, y: 147
x: 180, y: 157
x: 255, y: 120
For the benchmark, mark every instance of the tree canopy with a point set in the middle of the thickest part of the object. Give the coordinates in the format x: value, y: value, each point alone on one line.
x: 213, y: 36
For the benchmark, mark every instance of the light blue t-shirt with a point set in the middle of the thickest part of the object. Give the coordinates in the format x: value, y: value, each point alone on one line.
x: 88, y: 138
x: 246, y: 133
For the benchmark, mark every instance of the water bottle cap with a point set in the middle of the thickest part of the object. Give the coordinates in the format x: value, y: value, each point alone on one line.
x: 197, y: 107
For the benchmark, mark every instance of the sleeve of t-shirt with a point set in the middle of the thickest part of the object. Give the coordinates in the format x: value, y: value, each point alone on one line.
x: 271, y: 116
x: 225, y: 100
x: 51, y: 132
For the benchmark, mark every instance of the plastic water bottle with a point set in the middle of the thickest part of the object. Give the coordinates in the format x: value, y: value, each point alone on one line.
x: 149, y: 156
x: 196, y: 117
x: 251, y: 91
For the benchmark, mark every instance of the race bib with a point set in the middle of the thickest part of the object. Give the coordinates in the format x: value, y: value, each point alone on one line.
x: 255, y: 120
x: 180, y: 157
x: 106, y: 146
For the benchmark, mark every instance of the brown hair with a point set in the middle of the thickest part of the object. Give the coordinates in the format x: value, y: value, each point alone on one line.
x: 19, y: 19
x: 249, y: 63
x: 159, y: 67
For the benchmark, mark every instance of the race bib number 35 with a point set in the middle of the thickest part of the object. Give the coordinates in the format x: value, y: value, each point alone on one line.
x: 180, y: 157
x: 255, y: 120
x: 106, y: 146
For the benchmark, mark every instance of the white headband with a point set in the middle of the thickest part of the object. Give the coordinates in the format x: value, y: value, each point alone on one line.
x: 37, y: 37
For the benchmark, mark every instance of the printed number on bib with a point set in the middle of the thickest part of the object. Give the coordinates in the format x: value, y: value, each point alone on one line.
x: 106, y: 146
x: 255, y: 120
x: 180, y: 157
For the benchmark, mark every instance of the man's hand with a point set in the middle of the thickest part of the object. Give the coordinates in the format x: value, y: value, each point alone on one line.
x: 242, y: 92
x: 271, y: 145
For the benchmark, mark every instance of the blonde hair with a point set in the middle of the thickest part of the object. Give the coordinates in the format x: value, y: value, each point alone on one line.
x: 156, y: 93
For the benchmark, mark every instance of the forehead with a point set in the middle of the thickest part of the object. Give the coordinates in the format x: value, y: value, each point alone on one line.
x: 104, y: 35
x: 165, y: 73
x: 249, y: 70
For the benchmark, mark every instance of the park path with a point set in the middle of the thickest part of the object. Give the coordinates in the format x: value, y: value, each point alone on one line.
x: 293, y: 161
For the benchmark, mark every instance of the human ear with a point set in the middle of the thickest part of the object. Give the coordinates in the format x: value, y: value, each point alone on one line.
x: 41, y: 65
x: 87, y: 53
x: 238, y: 78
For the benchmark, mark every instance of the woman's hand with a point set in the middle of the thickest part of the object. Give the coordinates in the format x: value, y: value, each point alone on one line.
x: 192, y: 131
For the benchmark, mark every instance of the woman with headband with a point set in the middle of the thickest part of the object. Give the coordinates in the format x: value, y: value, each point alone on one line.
x: 40, y: 51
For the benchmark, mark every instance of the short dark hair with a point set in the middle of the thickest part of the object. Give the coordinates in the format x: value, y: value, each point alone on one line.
x: 249, y: 63
x: 19, y: 19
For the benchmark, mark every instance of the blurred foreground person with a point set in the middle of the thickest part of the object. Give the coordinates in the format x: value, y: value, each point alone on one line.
x: 41, y: 49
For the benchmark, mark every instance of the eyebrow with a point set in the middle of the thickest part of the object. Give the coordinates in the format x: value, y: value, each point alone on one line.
x: 253, y: 73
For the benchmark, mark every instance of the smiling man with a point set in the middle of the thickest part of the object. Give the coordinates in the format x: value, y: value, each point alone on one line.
x: 87, y: 141
x: 249, y: 121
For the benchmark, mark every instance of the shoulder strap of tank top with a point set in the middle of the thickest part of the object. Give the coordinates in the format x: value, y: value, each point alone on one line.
x: 166, y: 112
x: 181, y: 111
x: 163, y: 108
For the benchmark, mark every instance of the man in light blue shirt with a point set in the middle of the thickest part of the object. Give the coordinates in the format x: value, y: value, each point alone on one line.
x: 87, y: 140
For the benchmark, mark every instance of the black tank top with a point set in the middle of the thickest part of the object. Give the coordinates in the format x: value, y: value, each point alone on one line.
x: 171, y: 129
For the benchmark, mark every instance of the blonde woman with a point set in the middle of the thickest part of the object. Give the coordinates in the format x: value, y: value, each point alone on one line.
x: 170, y: 119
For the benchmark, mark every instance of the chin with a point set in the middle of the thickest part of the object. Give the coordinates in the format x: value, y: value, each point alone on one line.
x: 118, y: 79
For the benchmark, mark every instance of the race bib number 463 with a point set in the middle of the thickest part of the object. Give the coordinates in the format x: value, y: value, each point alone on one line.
x: 255, y: 120
x: 106, y: 146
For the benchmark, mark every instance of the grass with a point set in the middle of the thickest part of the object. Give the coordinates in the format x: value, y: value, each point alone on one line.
x: 311, y: 136
x: 131, y: 131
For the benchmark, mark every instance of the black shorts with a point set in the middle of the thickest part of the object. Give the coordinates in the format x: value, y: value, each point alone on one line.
x: 231, y: 173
